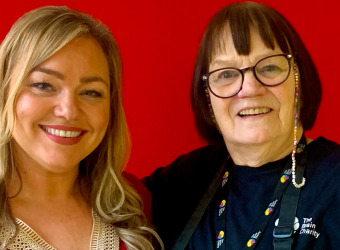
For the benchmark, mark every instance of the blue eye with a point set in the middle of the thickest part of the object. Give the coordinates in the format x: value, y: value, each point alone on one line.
x: 223, y: 77
x: 227, y: 74
x: 272, y: 68
x: 92, y: 93
x: 269, y: 69
x: 42, y: 86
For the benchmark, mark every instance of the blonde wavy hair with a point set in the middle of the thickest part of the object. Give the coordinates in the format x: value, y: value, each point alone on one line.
x: 35, y: 37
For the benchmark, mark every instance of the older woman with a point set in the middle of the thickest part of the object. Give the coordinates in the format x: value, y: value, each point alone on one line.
x: 64, y: 138
x: 260, y: 183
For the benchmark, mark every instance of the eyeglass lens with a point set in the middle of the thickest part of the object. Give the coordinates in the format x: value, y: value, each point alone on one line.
x: 269, y: 71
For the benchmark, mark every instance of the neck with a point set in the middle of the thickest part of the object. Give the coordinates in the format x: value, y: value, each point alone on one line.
x: 256, y: 155
x: 43, y: 185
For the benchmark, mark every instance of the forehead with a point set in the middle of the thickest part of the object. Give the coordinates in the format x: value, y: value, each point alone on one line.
x: 80, y: 52
x: 81, y: 55
x: 84, y: 46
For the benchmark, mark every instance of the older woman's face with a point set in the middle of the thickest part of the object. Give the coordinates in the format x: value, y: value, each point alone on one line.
x: 62, y: 109
x: 257, y: 114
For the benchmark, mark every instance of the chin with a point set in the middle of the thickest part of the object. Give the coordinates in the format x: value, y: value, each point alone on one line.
x: 251, y: 139
x: 59, y: 165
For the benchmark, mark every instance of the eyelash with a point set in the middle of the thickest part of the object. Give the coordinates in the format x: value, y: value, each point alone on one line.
x: 42, y: 86
x: 47, y: 87
x: 92, y: 93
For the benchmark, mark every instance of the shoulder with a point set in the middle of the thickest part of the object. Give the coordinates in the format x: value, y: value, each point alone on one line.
x: 320, y: 198
x: 323, y: 166
x: 177, y: 188
x: 324, y: 144
x: 197, y: 164
x: 323, y: 152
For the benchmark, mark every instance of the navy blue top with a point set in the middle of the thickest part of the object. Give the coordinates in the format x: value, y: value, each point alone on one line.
x: 249, y: 195
x: 178, y: 188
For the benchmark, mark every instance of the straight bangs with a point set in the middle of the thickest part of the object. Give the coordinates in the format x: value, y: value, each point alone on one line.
x: 240, y: 18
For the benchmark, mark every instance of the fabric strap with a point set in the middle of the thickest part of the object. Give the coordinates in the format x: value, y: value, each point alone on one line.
x: 283, y: 232
x: 263, y: 222
x: 183, y: 239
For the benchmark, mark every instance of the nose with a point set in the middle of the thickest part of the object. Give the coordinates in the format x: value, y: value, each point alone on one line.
x: 250, y: 86
x: 67, y: 106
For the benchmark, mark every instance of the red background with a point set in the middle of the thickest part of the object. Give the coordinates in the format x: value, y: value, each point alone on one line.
x: 158, y: 42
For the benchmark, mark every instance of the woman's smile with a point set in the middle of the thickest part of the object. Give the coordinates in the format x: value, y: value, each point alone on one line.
x: 64, y: 135
x: 63, y: 132
x: 250, y: 112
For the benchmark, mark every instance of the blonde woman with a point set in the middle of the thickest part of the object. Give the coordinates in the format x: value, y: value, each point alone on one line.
x: 64, y: 139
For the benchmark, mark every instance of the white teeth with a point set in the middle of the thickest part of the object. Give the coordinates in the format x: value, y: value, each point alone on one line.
x: 62, y: 133
x: 255, y: 111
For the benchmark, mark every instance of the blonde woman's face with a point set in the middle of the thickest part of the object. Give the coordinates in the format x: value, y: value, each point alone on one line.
x: 62, y: 109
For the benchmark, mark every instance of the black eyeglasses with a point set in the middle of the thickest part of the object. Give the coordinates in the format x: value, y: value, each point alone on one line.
x: 269, y: 71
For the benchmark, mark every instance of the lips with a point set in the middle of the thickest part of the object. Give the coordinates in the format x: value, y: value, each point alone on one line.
x: 254, y: 111
x: 63, y: 135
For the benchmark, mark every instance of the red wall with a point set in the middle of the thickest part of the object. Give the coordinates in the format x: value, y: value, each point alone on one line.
x: 158, y: 42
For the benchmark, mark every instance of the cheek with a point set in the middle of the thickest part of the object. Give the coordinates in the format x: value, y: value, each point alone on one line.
x: 285, y: 96
x: 27, y: 107
x: 220, y: 108
x: 27, y: 111
x: 99, y: 117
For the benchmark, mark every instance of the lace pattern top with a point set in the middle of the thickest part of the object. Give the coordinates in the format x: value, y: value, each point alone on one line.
x: 104, y: 236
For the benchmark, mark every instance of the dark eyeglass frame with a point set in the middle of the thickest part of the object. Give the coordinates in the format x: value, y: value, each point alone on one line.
x: 288, y: 56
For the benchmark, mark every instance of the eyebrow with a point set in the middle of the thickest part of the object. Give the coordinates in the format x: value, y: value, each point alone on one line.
x: 50, y: 72
x: 228, y: 62
x: 221, y: 61
x: 86, y: 79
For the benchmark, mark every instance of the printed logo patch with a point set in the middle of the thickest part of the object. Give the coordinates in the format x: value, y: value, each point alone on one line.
x: 284, y: 178
x: 270, y: 207
x: 251, y: 242
x: 268, y: 211
x: 222, y: 204
x: 253, y: 239
x: 225, y: 178
x: 220, y: 239
x: 300, y: 148
x: 288, y: 171
x: 222, y: 207
x: 308, y: 227
x: 226, y: 175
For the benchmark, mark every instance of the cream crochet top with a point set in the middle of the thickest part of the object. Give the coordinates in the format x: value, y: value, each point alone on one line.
x: 104, y: 236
